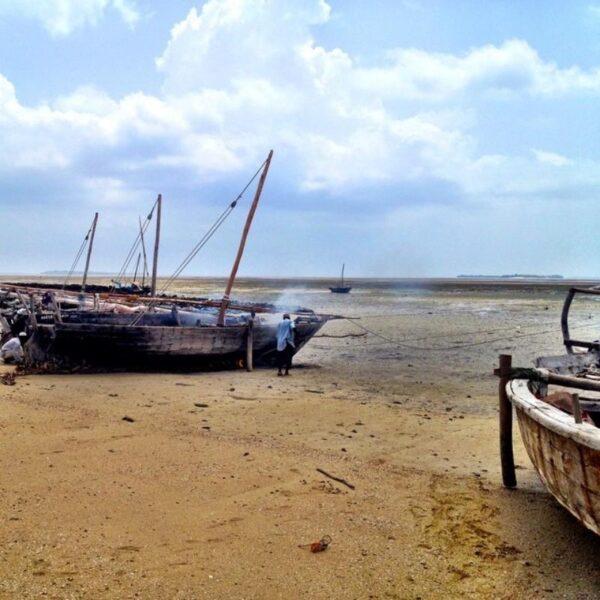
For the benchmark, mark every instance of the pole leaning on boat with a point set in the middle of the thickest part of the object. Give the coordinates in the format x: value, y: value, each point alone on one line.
x: 156, y: 246
x: 240, y: 252
x: 89, y: 252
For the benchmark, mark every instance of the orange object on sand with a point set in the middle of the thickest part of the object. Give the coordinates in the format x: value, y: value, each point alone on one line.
x: 319, y: 546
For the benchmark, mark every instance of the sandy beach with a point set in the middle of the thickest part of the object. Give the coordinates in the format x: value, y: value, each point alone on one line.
x: 211, y: 485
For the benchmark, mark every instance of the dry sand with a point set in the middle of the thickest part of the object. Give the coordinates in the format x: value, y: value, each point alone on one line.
x: 210, y: 490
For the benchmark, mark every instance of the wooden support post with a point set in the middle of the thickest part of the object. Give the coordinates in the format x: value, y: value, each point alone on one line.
x: 240, y: 252
x: 56, y: 308
x: 577, y: 409
x: 156, y: 245
x: 89, y: 252
x: 30, y: 308
x: 564, y: 320
x: 250, y: 345
x: 509, y: 478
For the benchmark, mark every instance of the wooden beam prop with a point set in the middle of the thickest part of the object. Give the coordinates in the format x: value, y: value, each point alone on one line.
x: 250, y: 346
x: 544, y: 376
x: 577, y: 409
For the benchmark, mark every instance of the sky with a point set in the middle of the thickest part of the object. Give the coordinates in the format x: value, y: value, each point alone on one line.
x: 411, y: 138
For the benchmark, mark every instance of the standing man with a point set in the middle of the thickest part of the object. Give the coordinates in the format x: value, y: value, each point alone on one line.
x: 285, y: 345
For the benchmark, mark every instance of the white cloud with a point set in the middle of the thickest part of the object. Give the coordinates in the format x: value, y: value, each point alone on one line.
x: 551, y: 158
x: 242, y: 76
x: 594, y: 10
x: 511, y: 68
x: 61, y: 17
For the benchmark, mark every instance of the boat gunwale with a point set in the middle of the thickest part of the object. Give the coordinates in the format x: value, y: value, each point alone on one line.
x: 206, y: 328
x: 550, y: 417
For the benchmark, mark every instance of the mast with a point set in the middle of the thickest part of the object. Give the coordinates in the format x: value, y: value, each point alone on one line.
x: 343, y: 267
x: 137, y: 264
x: 89, y: 252
x: 240, y: 252
x: 156, y: 245
x: 145, y: 268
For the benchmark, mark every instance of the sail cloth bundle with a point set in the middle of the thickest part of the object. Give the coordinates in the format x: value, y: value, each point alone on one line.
x: 12, y: 351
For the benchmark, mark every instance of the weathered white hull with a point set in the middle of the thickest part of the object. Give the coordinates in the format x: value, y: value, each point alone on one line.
x: 565, y: 454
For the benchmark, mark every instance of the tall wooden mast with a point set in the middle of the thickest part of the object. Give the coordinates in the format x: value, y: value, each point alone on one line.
x: 89, y: 252
x: 137, y: 264
x: 145, y: 267
x: 156, y: 245
x: 240, y: 252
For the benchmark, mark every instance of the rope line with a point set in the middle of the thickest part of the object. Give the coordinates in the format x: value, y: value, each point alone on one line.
x: 211, y: 231
x: 135, y: 245
x: 402, y: 343
x: 77, y: 257
x: 203, y: 241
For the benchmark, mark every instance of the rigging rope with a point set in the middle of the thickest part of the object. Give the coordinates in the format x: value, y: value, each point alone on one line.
x: 203, y: 241
x: 77, y: 257
x: 134, y: 246
x: 212, y: 230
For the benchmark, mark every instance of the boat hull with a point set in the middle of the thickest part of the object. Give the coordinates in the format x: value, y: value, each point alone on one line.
x: 566, y: 455
x: 340, y: 290
x: 168, y: 346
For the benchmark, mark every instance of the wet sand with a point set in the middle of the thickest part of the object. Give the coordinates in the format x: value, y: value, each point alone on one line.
x: 212, y: 487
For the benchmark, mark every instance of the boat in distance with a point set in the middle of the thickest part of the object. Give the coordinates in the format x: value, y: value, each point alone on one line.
x: 341, y: 288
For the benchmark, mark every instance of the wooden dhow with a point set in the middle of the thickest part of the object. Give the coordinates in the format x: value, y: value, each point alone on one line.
x: 160, y: 331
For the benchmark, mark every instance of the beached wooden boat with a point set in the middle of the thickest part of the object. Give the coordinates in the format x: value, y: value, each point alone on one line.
x: 565, y: 454
x: 114, y: 342
x: 559, y: 428
x: 158, y: 331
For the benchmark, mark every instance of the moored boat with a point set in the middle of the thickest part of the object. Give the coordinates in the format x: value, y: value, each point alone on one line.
x: 559, y: 426
x: 341, y: 288
x: 565, y: 454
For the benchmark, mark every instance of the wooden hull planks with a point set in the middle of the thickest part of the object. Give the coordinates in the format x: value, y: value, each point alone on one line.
x: 124, y: 345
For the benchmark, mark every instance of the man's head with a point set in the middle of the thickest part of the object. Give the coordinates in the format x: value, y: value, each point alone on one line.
x: 286, y: 316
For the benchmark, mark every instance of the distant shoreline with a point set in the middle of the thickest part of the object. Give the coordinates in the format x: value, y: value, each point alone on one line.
x: 395, y: 282
x: 512, y: 276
